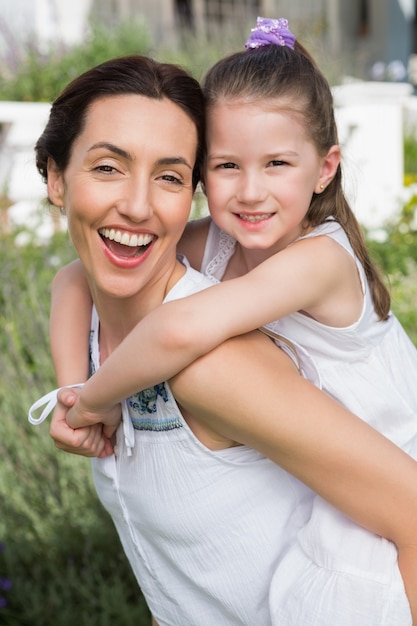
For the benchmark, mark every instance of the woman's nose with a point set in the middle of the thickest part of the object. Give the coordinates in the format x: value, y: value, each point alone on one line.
x: 137, y: 201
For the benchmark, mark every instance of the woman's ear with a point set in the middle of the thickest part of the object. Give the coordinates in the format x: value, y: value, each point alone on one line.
x: 55, y: 184
x: 328, y: 169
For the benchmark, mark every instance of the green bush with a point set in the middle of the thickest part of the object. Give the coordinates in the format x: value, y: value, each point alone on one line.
x: 41, y: 75
x: 396, y: 255
x: 59, y: 548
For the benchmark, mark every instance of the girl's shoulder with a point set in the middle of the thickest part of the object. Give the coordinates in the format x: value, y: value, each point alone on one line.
x: 193, y: 241
x: 330, y: 228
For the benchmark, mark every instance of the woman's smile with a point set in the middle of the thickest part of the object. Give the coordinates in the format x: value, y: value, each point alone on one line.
x: 124, y: 245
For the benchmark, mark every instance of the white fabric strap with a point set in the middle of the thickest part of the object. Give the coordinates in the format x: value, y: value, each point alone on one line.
x: 49, y: 401
x: 128, y: 430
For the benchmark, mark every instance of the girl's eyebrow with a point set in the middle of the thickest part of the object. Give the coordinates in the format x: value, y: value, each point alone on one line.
x: 127, y: 155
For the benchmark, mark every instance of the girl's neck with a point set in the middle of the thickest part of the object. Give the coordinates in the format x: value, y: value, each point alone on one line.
x: 244, y: 260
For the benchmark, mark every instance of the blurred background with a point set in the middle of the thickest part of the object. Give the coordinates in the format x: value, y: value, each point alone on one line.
x: 60, y: 559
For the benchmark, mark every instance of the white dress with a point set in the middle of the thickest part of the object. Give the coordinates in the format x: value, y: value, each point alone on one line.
x: 337, y: 573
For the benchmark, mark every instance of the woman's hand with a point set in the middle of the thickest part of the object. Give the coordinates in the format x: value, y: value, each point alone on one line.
x: 90, y: 441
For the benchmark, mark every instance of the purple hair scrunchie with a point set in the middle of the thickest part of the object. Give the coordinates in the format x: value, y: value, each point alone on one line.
x: 270, y: 32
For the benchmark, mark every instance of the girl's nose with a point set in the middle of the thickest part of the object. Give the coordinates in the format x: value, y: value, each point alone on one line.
x: 251, y: 189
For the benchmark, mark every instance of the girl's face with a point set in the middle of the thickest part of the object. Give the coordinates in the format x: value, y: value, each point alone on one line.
x: 261, y: 172
x: 127, y: 191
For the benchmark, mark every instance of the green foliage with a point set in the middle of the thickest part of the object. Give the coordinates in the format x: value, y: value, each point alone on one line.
x: 396, y: 255
x: 410, y: 155
x: 41, y: 75
x: 61, y: 551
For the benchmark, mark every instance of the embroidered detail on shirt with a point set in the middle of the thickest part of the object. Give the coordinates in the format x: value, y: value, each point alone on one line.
x: 143, y: 405
x: 226, y: 248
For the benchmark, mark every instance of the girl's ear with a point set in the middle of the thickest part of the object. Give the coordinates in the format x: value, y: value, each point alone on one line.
x: 55, y: 184
x: 328, y: 169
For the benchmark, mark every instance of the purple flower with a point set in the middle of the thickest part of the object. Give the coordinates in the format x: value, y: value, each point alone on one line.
x: 5, y: 584
x: 3, y: 602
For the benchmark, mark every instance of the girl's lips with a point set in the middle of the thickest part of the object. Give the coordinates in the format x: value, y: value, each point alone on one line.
x: 253, y: 222
x: 254, y: 218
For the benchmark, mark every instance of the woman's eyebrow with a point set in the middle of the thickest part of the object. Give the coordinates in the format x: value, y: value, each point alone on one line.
x: 127, y: 155
x: 174, y: 161
x: 112, y: 148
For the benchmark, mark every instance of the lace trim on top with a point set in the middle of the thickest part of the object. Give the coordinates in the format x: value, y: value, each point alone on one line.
x: 226, y: 248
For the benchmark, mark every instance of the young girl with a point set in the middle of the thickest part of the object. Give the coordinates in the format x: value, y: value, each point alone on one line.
x: 287, y: 245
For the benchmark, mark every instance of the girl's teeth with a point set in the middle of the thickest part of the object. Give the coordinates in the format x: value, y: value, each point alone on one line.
x: 255, y: 218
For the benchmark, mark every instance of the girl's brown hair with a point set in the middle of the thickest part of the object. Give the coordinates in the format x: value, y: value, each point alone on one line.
x: 291, y: 75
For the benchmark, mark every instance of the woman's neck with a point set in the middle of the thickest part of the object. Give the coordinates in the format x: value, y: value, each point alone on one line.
x: 118, y: 316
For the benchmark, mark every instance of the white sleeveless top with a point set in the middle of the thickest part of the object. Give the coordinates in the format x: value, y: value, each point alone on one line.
x: 203, y: 530
x: 370, y: 366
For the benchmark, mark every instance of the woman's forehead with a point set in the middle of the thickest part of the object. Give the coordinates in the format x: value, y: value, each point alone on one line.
x: 135, y: 120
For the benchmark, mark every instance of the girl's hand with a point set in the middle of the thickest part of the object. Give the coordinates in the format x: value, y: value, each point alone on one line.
x: 90, y: 441
x: 80, y: 416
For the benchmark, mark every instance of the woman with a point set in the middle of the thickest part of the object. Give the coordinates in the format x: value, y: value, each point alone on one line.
x: 203, y: 489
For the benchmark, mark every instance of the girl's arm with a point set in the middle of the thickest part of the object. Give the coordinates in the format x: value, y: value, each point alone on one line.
x: 69, y: 337
x: 70, y: 324
x: 176, y: 333
x: 271, y: 408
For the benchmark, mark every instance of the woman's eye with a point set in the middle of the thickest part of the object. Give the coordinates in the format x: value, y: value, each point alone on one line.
x: 277, y: 163
x: 170, y: 178
x: 107, y: 169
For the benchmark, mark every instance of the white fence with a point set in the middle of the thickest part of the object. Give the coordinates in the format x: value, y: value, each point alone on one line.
x: 370, y: 117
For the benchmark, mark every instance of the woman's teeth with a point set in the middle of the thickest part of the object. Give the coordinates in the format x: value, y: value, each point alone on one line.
x: 126, y: 239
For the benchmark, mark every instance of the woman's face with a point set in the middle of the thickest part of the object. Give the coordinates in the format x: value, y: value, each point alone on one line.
x: 127, y: 191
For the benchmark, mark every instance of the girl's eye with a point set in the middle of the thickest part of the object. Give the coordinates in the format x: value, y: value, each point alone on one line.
x: 227, y: 166
x: 277, y: 163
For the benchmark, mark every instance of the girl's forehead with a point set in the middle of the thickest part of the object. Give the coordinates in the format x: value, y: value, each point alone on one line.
x: 235, y: 109
x: 282, y: 105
